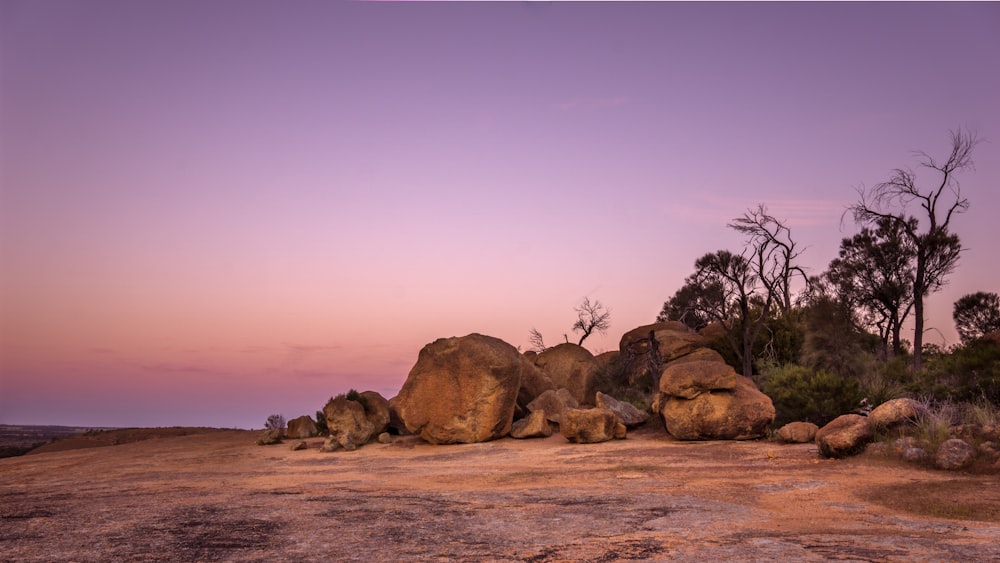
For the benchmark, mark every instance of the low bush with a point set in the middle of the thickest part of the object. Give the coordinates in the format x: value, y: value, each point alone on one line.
x: 802, y: 394
x: 275, y: 422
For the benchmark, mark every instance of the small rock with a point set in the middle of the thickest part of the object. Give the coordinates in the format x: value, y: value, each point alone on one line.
x: 331, y: 445
x: 954, y: 454
x: 300, y: 445
x: 798, y: 432
x: 385, y: 438
x: 877, y: 448
x: 844, y: 436
x: 900, y: 445
x: 554, y: 403
x: 914, y: 454
x: 588, y: 426
x: 535, y: 425
x: 270, y: 437
x: 990, y: 450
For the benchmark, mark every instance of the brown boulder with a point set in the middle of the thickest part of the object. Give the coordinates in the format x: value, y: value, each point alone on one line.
x: 588, y: 426
x: 301, y: 427
x: 896, y: 413
x: 461, y: 390
x: 740, y: 413
x: 627, y: 413
x: 572, y: 367
x: 535, y: 425
x: 554, y: 403
x: 798, y: 432
x: 843, y: 436
x: 700, y: 371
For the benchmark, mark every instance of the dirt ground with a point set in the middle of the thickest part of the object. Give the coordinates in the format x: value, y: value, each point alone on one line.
x: 218, y: 497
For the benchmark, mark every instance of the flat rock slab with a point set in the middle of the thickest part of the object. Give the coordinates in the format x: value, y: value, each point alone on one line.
x: 219, y: 497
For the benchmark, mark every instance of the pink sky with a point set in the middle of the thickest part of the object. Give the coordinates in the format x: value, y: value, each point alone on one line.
x: 215, y: 211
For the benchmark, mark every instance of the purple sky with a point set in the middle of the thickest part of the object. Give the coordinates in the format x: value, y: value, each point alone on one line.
x: 215, y: 211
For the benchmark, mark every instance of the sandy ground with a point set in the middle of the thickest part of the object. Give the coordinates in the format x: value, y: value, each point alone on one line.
x: 219, y: 497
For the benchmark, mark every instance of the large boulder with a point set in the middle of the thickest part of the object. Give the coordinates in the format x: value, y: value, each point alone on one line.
x: 652, y: 345
x: 588, y: 426
x: 461, y: 390
x: 554, y: 403
x: 301, y: 428
x: 627, y: 413
x: 572, y: 367
x: 846, y: 435
x: 896, y: 413
x: 535, y: 425
x: 698, y: 372
x: 798, y: 432
x: 740, y: 413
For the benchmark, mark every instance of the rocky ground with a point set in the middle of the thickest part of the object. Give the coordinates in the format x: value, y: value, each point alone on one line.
x: 218, y: 497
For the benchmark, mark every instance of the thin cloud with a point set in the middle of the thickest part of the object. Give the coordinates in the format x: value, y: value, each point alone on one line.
x: 183, y: 367
x: 715, y: 210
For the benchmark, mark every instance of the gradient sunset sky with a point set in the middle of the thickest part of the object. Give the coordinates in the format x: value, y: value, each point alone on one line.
x: 215, y: 211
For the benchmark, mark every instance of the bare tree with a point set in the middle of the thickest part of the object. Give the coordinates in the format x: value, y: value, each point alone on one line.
x: 936, y: 249
x: 740, y: 291
x: 770, y: 240
x: 591, y: 317
x: 536, y: 341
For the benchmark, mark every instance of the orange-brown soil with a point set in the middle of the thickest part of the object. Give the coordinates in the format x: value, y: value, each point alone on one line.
x: 216, y: 496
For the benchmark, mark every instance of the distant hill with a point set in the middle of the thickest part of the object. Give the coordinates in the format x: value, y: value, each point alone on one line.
x: 26, y: 439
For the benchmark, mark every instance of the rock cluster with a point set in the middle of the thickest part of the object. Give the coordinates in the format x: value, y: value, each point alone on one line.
x: 700, y: 396
x: 851, y: 434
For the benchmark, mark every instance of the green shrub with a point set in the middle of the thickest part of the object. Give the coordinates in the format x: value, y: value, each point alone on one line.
x: 801, y: 394
x: 966, y: 374
x: 275, y: 422
x: 321, y: 426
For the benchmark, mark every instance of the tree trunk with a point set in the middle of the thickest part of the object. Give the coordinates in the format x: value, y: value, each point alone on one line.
x: 918, y: 312
x: 747, y: 341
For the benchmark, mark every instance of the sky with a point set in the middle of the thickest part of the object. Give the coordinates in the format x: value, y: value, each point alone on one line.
x: 215, y: 211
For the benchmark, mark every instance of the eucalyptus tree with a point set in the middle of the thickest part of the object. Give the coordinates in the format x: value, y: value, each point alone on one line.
x: 873, y: 274
x: 976, y: 314
x: 936, y: 248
